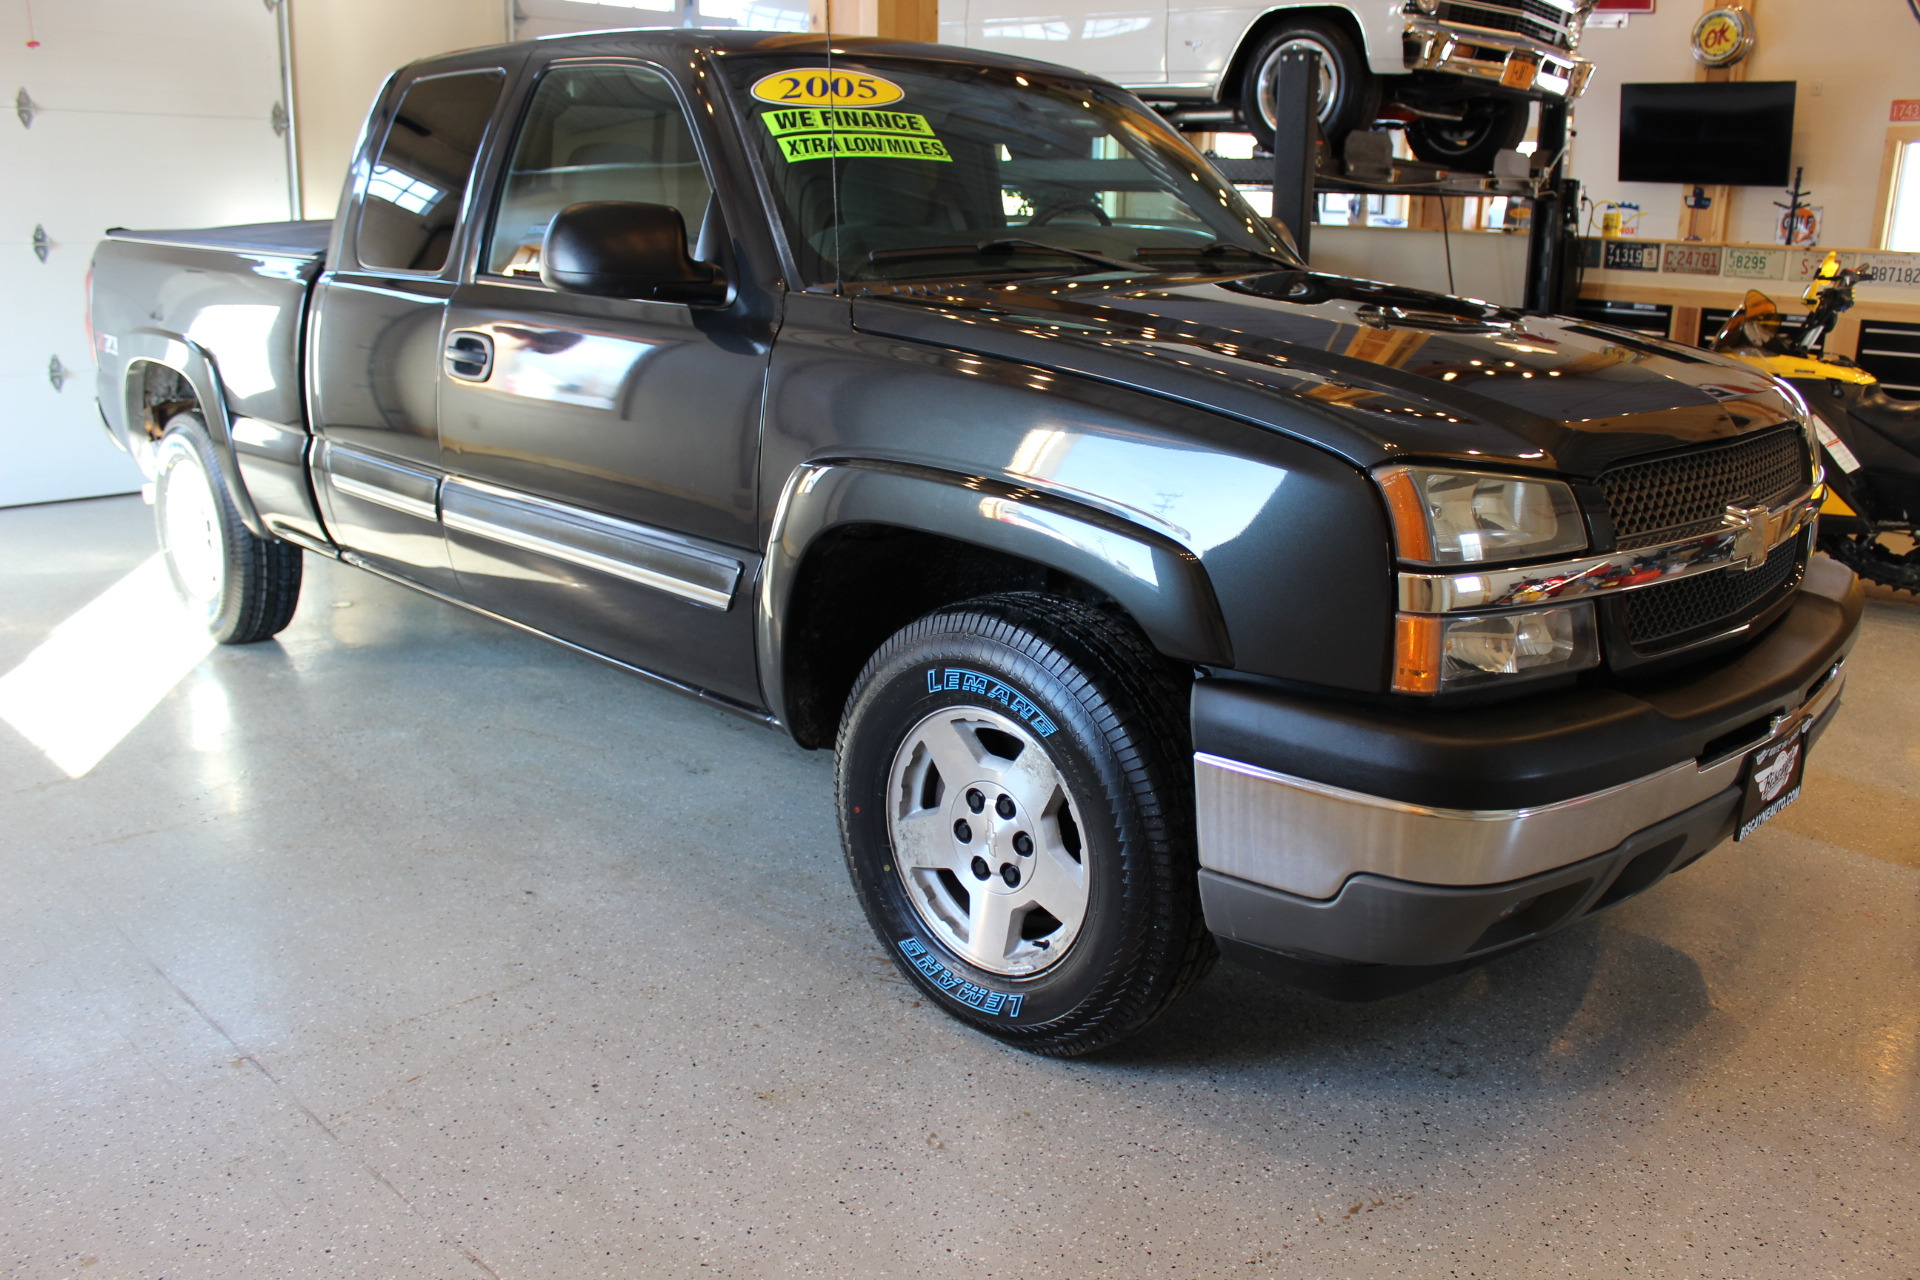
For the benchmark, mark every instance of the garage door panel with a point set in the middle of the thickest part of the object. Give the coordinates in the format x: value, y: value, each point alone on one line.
x: 181, y: 57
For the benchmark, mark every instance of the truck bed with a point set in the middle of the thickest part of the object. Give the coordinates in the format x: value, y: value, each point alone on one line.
x: 281, y: 239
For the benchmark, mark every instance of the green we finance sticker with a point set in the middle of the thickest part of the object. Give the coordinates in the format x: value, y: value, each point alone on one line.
x: 814, y: 133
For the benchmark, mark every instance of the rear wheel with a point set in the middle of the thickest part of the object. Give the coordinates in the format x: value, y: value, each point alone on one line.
x: 242, y: 587
x: 1487, y: 127
x: 1349, y: 94
x: 1014, y: 788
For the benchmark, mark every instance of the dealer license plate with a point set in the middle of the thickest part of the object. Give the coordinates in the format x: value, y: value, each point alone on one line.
x: 1774, y: 774
x: 1519, y: 73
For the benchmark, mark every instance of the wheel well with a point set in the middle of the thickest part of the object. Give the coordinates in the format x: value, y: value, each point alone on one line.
x: 163, y: 393
x: 1229, y: 87
x: 860, y: 583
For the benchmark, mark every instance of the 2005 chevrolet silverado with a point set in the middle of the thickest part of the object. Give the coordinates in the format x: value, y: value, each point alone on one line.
x: 1160, y: 595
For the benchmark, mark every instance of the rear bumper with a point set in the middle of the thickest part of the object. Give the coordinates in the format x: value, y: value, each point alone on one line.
x: 1389, y: 873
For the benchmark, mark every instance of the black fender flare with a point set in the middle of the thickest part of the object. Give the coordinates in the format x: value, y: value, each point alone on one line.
x: 194, y: 364
x: 1161, y: 584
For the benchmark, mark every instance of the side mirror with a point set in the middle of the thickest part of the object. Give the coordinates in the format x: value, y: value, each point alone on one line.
x: 621, y: 249
x: 1286, y: 236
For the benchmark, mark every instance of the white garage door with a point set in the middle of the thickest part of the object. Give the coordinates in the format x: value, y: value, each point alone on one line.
x: 129, y: 113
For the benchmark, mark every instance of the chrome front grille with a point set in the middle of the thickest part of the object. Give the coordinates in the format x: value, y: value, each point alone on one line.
x: 1679, y: 496
x: 1540, y: 20
x: 1674, y: 611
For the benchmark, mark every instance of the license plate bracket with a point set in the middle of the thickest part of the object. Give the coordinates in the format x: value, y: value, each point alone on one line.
x: 1519, y: 73
x: 1775, y: 772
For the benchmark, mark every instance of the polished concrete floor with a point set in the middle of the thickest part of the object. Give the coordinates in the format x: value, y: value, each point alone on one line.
x: 412, y: 946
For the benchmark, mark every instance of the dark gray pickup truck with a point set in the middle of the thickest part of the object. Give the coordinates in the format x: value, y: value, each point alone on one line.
x: 1159, y: 595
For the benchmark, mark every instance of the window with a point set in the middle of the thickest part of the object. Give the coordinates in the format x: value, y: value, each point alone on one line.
x: 414, y: 194
x: 595, y: 133
x: 1903, y: 211
x: 981, y: 170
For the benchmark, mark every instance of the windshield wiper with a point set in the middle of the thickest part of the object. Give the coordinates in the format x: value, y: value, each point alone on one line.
x: 1218, y: 249
x: 993, y: 248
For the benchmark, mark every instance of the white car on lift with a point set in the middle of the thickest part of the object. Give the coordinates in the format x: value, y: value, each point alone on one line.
x: 1458, y: 74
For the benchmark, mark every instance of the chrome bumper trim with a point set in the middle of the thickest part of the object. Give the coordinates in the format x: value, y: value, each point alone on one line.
x: 1748, y: 543
x: 1307, y: 838
x: 1469, y: 51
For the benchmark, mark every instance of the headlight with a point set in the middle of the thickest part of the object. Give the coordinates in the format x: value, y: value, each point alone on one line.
x: 1423, y: 6
x: 1436, y: 654
x: 1468, y: 517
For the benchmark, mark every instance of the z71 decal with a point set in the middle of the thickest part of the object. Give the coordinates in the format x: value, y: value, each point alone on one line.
x: 988, y: 687
x: 970, y: 994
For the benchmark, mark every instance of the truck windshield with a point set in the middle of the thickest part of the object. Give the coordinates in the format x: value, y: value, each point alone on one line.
x: 892, y: 170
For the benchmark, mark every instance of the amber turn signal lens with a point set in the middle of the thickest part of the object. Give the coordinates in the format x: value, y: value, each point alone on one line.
x: 1411, y: 536
x: 1416, y: 653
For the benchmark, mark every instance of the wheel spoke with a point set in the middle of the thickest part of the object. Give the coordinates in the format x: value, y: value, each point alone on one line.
x: 956, y: 752
x: 1034, y: 784
x: 924, y: 840
x: 1055, y: 882
x: 990, y: 928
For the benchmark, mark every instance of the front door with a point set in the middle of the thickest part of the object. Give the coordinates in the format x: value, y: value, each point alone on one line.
x: 600, y: 451
x: 375, y: 339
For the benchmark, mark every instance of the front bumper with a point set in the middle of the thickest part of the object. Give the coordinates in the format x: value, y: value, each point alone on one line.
x: 1402, y: 838
x: 1511, y: 62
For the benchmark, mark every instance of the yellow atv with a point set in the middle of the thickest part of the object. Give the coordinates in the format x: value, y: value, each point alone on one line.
x: 1871, y: 443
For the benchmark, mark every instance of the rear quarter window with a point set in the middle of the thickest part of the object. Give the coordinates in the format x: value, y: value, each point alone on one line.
x: 411, y: 206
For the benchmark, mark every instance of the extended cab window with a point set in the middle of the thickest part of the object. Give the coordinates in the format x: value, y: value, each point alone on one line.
x: 419, y: 179
x: 888, y: 170
x: 595, y: 133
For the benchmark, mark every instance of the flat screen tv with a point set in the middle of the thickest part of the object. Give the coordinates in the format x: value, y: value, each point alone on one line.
x: 1733, y: 133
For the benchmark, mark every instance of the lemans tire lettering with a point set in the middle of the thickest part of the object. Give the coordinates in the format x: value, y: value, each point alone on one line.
x: 967, y: 993
x: 943, y: 679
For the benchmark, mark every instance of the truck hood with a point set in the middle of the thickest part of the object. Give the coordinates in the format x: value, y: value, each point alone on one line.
x: 1371, y: 372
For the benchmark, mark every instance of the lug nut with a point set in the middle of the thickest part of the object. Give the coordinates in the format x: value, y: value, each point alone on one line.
x: 1011, y: 874
x: 976, y: 801
x: 1023, y: 844
x: 963, y: 832
x: 1004, y: 806
x: 980, y: 869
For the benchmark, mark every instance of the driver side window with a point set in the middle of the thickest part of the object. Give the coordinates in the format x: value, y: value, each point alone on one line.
x: 595, y: 133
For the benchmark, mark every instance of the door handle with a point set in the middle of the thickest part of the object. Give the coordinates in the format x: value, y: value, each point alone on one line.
x: 469, y: 355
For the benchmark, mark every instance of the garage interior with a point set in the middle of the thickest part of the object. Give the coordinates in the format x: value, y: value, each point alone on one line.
x: 410, y: 944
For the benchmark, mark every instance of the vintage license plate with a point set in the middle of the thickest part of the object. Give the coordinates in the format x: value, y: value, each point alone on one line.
x: 1519, y: 73
x: 1774, y: 774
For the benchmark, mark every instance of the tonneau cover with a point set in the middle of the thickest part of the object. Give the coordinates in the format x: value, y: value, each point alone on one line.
x: 282, y: 239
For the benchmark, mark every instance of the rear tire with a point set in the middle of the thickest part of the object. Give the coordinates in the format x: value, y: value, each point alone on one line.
x: 1015, y: 792
x: 243, y: 588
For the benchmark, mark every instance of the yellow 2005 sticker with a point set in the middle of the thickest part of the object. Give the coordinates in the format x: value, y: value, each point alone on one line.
x: 815, y: 133
x: 825, y: 87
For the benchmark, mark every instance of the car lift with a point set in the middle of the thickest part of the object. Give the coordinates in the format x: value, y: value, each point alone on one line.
x: 1302, y: 167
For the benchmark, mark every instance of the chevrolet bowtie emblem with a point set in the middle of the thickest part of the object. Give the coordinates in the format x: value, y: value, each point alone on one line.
x: 1749, y: 526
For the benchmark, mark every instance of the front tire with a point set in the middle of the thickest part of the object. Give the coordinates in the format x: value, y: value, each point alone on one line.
x: 1349, y: 94
x: 243, y: 588
x: 1487, y: 127
x: 1015, y: 795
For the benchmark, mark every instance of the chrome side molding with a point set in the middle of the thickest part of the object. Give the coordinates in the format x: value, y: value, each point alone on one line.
x: 633, y: 552
x: 383, y: 483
